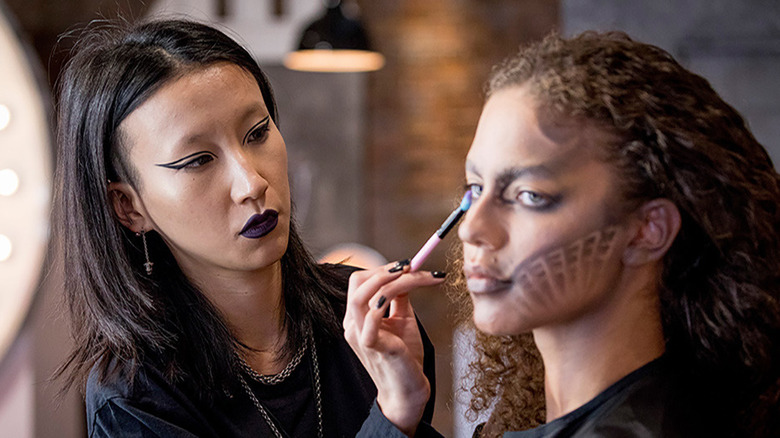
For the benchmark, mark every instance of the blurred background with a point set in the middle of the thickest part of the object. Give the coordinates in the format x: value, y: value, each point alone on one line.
x: 376, y: 158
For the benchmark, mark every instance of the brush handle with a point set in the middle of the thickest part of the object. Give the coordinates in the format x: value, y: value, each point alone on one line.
x: 424, y: 252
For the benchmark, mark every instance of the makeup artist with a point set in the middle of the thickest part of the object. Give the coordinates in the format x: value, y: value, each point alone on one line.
x: 621, y: 259
x: 196, y: 308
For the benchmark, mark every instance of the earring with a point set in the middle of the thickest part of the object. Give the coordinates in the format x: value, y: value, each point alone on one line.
x: 148, y: 265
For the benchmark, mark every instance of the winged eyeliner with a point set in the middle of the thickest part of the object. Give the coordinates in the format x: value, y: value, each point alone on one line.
x: 175, y: 164
x: 252, y: 129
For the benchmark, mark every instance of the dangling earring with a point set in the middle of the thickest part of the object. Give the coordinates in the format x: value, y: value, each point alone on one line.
x: 148, y: 265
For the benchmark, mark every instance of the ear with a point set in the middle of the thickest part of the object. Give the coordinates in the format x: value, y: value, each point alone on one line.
x: 658, y: 222
x: 128, y: 207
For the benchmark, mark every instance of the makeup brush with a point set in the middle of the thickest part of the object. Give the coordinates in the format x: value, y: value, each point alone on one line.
x: 445, y: 228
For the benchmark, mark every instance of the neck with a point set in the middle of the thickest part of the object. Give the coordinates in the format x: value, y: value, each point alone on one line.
x: 253, y: 307
x: 584, y: 357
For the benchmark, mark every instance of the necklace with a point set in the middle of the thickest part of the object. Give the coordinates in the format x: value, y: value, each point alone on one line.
x: 276, y: 378
x: 273, y: 379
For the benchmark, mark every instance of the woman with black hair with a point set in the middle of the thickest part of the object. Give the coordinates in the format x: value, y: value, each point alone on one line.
x: 621, y: 258
x: 196, y: 309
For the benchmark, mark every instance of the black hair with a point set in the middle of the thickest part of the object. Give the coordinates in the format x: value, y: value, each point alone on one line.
x: 119, y: 315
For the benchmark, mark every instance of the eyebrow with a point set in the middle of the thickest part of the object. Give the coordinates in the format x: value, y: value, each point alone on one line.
x: 506, y: 176
x: 204, y: 136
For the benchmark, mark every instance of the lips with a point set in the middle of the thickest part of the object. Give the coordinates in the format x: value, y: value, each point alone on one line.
x: 260, y: 224
x: 482, y: 281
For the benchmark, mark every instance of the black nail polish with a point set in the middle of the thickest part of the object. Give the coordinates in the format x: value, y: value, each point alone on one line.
x: 399, y: 265
x: 381, y: 302
x: 438, y: 274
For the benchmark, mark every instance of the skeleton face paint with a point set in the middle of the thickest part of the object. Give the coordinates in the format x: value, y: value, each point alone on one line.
x: 577, y: 270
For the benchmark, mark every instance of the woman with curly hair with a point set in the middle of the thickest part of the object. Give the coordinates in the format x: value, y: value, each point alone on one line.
x: 621, y: 258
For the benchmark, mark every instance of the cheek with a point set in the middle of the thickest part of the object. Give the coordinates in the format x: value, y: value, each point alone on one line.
x: 534, y: 234
x: 278, y: 194
x: 569, y: 278
x: 532, y: 238
x: 182, y: 195
x: 182, y: 205
x: 283, y: 185
x: 272, y: 165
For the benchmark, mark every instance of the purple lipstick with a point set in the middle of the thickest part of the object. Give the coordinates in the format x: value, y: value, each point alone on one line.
x: 260, y: 224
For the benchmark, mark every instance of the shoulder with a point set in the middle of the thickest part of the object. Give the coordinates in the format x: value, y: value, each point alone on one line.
x: 107, y: 382
x: 145, y: 403
x: 649, y: 402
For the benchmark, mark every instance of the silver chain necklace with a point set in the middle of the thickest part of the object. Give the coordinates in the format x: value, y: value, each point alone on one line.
x: 276, y: 379
x: 273, y: 379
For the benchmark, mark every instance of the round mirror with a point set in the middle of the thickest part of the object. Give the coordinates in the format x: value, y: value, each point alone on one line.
x: 25, y: 184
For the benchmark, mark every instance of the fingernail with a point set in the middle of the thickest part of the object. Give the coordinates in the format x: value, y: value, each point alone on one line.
x: 438, y: 274
x: 381, y: 302
x: 399, y: 266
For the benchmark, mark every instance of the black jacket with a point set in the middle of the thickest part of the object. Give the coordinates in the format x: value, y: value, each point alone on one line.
x: 153, y: 407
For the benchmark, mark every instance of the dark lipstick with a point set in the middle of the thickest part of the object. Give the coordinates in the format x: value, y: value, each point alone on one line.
x: 260, y: 224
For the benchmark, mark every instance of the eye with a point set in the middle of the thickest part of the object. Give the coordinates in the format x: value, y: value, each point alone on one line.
x: 476, y: 190
x: 198, y: 161
x: 259, y: 132
x: 534, y: 200
x: 191, y: 161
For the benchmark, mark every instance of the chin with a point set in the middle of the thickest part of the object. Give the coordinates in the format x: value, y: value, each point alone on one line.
x: 501, y: 320
x: 267, y: 255
x: 494, y: 324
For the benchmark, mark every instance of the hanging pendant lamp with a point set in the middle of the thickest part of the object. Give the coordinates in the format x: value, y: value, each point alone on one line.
x: 334, y: 43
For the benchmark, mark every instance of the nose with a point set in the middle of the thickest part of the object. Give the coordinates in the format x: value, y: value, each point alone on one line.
x: 482, y: 225
x: 247, y: 180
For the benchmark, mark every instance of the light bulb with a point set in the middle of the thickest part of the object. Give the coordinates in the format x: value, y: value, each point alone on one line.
x: 5, y: 248
x: 9, y: 182
x: 5, y: 116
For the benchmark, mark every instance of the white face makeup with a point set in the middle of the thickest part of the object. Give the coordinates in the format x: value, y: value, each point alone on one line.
x: 212, y: 170
x: 542, y: 245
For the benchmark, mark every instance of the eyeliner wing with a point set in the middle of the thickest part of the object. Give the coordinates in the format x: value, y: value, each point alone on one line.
x: 177, y: 164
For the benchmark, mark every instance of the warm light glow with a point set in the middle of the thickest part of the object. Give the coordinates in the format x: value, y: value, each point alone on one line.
x: 334, y: 60
x: 5, y: 116
x: 5, y: 248
x: 9, y: 182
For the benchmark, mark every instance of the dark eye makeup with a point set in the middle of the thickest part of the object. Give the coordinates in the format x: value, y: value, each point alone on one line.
x: 537, y: 201
x: 258, y: 131
x: 194, y: 160
x: 527, y: 198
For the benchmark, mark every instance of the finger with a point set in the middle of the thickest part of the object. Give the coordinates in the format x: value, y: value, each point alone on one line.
x: 364, y: 284
x: 363, y: 288
x: 406, y: 283
x: 369, y: 335
x: 401, y: 307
